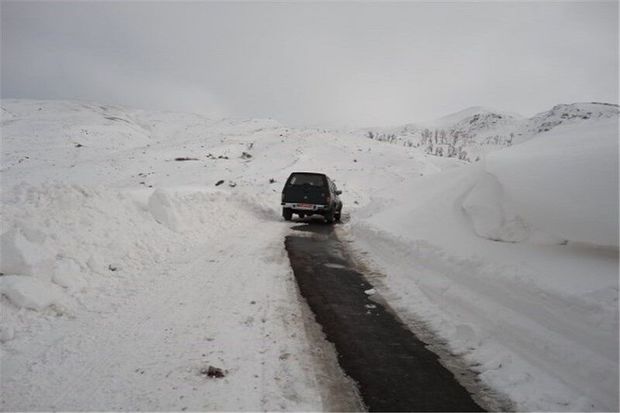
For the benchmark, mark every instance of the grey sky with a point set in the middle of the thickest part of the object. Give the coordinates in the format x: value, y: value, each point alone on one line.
x: 313, y: 63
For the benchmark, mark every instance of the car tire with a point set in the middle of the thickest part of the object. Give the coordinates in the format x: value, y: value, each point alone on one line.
x: 287, y: 214
x: 329, y: 217
x: 337, y: 216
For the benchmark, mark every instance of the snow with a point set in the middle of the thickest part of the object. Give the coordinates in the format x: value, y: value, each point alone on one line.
x: 463, y: 116
x: 23, y: 252
x: 160, y: 206
x: 491, y: 216
x: 559, y: 187
x: 30, y: 292
x: 127, y: 273
x: 567, y: 183
x: 472, y: 133
x: 514, y: 262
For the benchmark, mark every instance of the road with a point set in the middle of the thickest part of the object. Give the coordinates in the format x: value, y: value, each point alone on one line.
x: 393, y: 368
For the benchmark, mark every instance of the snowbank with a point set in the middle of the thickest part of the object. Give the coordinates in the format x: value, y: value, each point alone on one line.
x: 23, y: 251
x: 514, y: 263
x: 30, y: 292
x: 76, y: 234
x: 491, y: 216
x: 565, y: 182
x: 162, y: 210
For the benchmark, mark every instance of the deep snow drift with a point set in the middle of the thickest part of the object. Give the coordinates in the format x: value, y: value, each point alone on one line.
x: 127, y: 271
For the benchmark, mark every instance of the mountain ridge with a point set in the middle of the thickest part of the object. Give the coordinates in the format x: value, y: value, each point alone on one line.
x: 472, y: 132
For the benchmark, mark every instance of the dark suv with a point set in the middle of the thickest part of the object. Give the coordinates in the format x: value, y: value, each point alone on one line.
x: 309, y: 193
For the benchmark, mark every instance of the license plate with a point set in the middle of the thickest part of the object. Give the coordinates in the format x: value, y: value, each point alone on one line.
x: 305, y: 206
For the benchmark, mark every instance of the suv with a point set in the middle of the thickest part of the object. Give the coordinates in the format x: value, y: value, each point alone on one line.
x: 309, y: 193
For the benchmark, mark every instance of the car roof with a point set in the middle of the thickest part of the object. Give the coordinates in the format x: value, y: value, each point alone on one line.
x: 308, y: 173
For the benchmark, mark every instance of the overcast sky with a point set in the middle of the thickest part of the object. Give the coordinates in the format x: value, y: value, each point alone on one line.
x: 313, y: 63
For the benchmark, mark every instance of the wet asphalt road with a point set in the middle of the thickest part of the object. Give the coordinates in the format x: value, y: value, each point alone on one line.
x: 393, y: 368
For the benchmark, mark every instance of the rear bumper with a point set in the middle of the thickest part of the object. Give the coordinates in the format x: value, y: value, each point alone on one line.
x: 294, y: 206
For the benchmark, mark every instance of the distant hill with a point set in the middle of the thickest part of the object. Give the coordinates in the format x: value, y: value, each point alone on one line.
x: 470, y: 133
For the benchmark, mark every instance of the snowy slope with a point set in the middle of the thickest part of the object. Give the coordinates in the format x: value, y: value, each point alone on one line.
x: 567, y: 114
x: 514, y: 261
x: 141, y: 278
x: 566, y: 182
x: 127, y: 272
x: 462, y: 116
x: 471, y: 133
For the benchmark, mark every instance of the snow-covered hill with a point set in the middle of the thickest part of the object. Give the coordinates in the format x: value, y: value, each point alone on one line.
x: 566, y: 114
x: 473, y: 132
x: 138, y: 248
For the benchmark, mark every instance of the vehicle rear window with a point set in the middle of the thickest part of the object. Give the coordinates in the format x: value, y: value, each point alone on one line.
x: 301, y: 179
